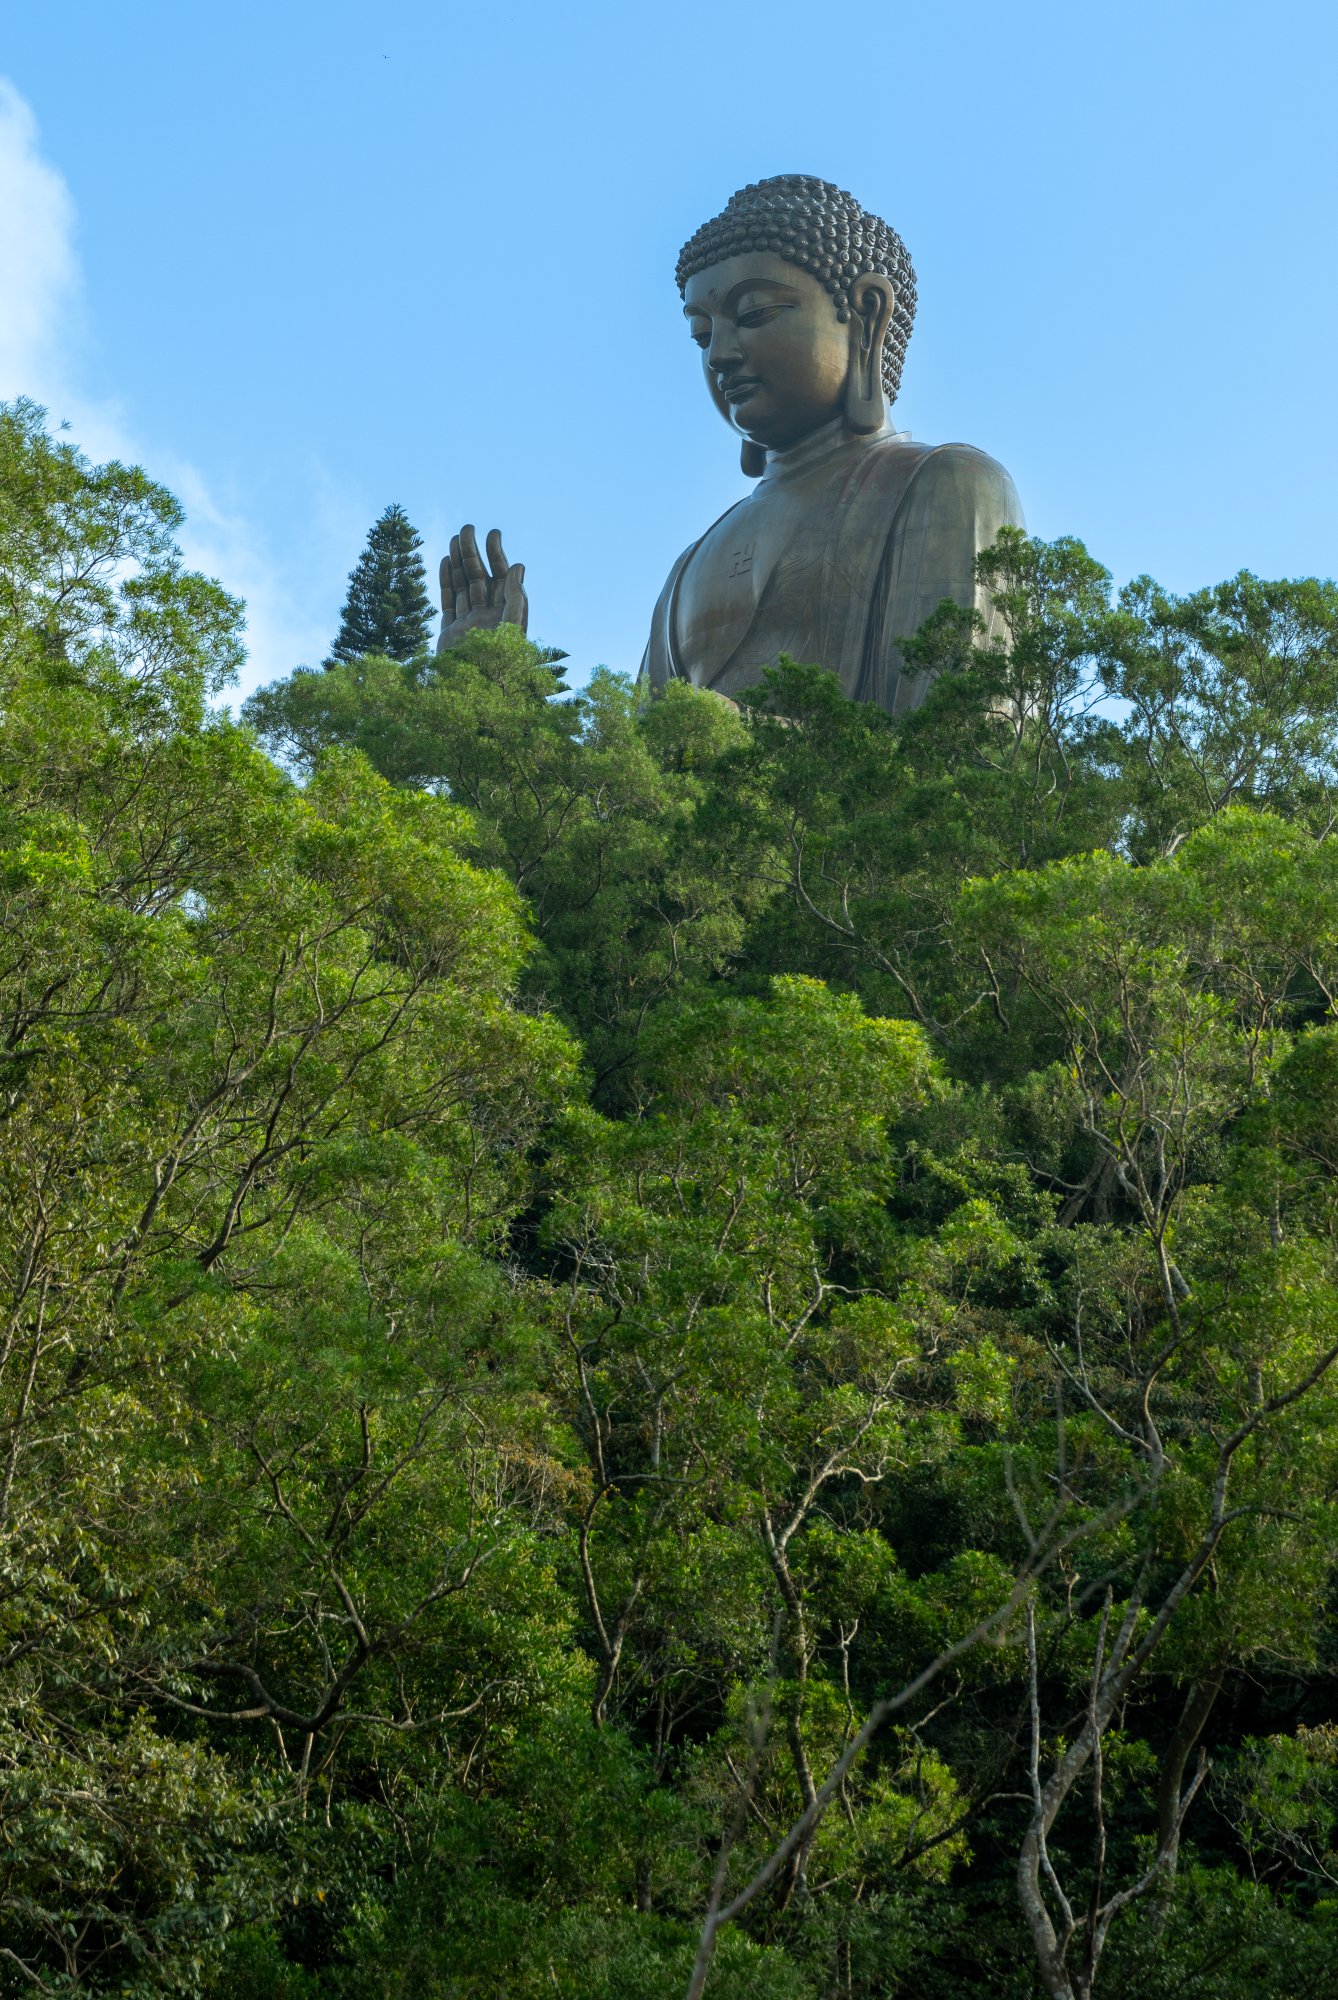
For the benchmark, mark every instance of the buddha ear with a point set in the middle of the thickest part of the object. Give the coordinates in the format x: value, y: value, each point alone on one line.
x: 872, y: 302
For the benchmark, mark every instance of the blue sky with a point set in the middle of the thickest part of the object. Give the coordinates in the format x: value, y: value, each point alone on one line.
x: 304, y: 260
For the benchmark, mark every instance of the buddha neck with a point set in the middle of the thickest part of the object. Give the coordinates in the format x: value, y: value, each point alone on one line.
x: 820, y: 446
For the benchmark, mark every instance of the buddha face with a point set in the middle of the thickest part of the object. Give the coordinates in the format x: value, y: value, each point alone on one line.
x: 775, y: 354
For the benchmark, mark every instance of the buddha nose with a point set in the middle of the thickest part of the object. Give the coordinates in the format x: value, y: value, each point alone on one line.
x: 724, y: 350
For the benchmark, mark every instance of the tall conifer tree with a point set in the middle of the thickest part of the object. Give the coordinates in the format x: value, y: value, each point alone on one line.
x: 387, y: 609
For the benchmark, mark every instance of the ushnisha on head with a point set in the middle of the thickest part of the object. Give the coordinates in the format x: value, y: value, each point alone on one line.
x: 803, y: 304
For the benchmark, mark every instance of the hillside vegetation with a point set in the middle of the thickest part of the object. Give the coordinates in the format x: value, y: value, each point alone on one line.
x: 657, y: 1350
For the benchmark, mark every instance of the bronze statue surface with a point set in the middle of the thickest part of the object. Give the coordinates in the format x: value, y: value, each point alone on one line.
x: 802, y: 304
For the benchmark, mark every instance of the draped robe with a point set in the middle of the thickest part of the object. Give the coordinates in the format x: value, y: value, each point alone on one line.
x: 844, y: 547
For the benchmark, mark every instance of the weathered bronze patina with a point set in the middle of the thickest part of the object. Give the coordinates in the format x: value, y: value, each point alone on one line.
x: 475, y: 594
x: 802, y: 305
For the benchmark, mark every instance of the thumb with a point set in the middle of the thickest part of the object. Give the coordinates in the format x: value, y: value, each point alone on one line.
x: 515, y: 604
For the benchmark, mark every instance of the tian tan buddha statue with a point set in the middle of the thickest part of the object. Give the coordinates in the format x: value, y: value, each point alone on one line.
x: 802, y: 305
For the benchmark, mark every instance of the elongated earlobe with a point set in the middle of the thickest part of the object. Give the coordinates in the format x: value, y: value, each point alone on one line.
x: 865, y: 404
x: 753, y: 459
x: 865, y: 407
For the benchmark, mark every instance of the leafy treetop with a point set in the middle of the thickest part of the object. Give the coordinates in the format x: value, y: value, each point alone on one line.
x: 387, y: 610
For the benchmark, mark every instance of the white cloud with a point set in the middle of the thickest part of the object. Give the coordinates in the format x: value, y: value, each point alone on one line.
x: 38, y: 272
x: 41, y: 316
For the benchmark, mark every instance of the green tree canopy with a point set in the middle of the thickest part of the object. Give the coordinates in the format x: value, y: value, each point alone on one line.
x: 663, y: 1350
x: 387, y: 610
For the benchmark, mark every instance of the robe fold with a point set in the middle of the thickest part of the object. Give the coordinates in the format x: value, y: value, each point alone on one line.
x: 844, y: 548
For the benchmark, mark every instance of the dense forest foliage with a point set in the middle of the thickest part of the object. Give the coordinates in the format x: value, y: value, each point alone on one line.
x: 658, y: 1350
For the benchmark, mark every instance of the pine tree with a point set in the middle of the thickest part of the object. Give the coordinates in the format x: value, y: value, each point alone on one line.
x: 387, y: 609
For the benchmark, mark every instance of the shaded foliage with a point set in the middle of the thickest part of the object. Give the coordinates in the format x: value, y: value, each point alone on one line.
x: 648, y: 1349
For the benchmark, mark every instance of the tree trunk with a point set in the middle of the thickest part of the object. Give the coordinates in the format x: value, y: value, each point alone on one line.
x: 1198, y: 1707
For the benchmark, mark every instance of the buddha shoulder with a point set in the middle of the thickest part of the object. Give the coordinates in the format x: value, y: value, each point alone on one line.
x: 958, y: 483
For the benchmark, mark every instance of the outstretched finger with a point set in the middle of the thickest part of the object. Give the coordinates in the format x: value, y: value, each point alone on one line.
x: 474, y: 570
x: 459, y: 581
x: 446, y: 579
x: 497, y: 561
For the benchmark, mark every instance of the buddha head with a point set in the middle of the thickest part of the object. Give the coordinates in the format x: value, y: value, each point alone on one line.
x: 802, y: 305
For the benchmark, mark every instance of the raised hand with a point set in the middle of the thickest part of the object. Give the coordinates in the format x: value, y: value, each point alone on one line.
x: 476, y: 596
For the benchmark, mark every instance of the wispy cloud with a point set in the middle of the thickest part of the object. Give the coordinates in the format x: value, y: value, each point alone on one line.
x: 38, y: 271
x: 42, y: 319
